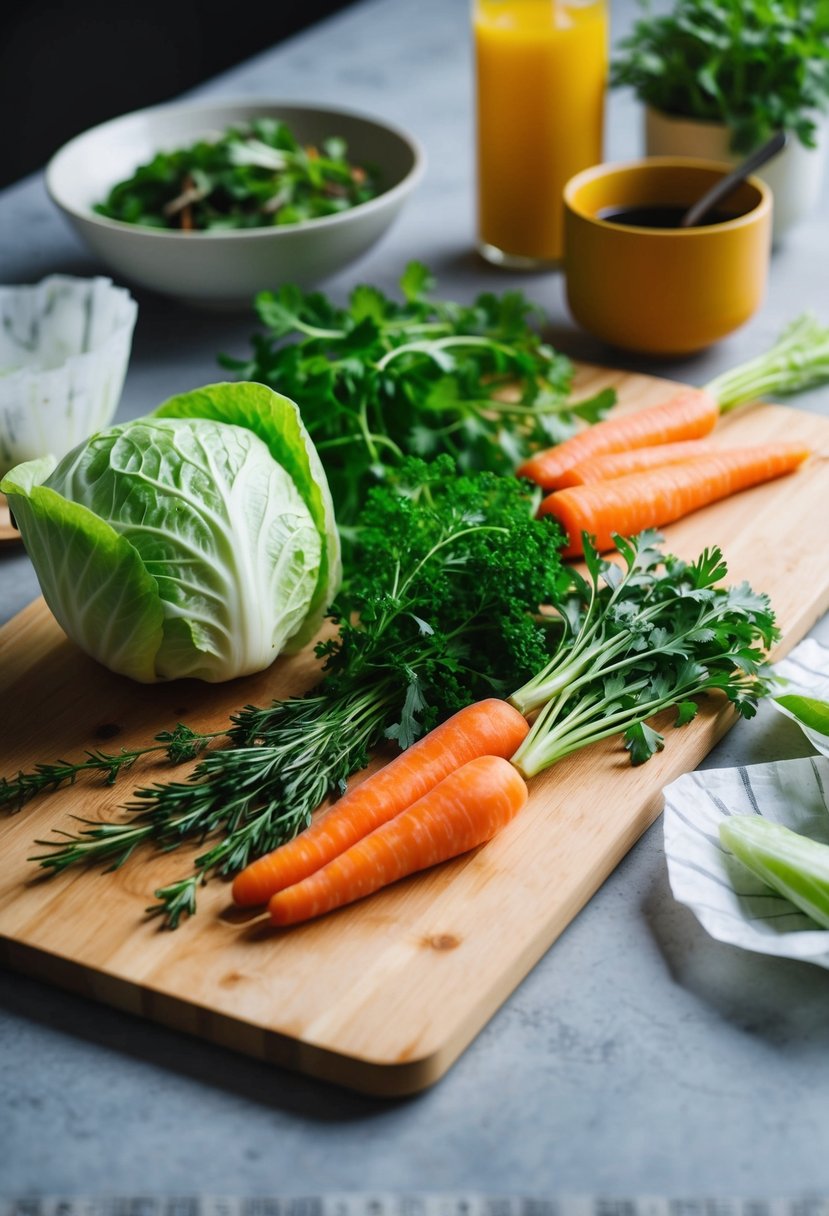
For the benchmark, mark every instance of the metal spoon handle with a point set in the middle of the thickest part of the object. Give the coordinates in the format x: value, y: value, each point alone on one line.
x: 722, y: 188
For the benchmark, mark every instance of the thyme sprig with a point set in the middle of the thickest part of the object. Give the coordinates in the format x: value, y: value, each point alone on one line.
x: 178, y: 745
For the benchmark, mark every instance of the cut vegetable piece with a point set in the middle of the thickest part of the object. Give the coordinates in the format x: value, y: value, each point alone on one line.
x: 463, y: 811
x: 627, y: 505
x: 809, y: 711
x: 490, y: 727
x: 637, y: 460
x: 792, y: 864
x: 688, y: 414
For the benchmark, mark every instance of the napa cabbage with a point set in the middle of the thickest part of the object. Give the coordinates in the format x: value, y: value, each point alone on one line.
x: 198, y: 541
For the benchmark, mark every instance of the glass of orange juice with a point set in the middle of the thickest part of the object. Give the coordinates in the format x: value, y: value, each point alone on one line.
x: 541, y: 68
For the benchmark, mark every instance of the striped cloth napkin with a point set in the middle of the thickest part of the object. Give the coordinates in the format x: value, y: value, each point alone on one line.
x: 726, y: 898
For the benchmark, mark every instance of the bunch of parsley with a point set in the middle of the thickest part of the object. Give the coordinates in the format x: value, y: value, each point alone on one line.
x: 442, y: 608
x: 642, y: 636
x: 381, y: 380
x: 758, y: 66
x: 252, y: 177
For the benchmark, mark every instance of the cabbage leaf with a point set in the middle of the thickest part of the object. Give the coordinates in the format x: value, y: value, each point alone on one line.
x: 94, y: 580
x: 278, y: 423
x: 198, y: 541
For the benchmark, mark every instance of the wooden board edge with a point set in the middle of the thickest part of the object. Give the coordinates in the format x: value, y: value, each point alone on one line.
x: 384, y: 1079
x: 375, y: 1078
x: 372, y: 1077
x: 380, y: 1080
x: 461, y: 1036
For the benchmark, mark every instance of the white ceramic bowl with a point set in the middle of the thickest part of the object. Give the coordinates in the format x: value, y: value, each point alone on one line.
x: 228, y: 268
x: 64, y: 348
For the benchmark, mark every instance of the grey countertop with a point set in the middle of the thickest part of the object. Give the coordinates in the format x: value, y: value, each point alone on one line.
x: 639, y: 1056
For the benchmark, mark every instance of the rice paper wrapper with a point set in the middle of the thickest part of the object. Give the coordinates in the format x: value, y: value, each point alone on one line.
x: 64, y: 348
x: 727, y: 899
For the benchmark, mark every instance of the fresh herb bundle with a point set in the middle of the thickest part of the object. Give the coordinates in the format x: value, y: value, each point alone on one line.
x: 643, y: 637
x: 382, y: 379
x: 756, y: 65
x: 252, y: 177
x: 441, y: 609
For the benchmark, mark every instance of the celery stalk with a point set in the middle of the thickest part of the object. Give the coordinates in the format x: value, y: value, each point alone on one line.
x: 792, y: 864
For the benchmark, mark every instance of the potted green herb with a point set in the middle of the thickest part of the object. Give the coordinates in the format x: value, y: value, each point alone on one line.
x: 718, y: 77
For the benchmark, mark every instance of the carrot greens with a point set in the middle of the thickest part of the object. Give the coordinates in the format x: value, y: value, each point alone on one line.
x: 655, y: 633
x: 798, y: 360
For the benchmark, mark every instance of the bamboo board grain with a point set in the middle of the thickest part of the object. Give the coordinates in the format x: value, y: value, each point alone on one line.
x: 382, y: 996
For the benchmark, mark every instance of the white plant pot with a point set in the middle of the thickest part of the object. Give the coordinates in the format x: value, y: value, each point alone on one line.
x: 794, y: 176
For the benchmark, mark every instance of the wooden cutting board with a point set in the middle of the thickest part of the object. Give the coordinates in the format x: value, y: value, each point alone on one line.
x: 384, y: 995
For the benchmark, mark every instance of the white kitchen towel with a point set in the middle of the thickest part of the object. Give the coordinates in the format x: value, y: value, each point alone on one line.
x: 726, y: 898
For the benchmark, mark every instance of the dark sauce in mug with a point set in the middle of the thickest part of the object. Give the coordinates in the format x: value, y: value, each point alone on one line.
x: 659, y: 216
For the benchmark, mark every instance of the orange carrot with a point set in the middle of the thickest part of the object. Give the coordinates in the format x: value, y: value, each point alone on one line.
x: 637, y: 460
x: 464, y: 810
x: 688, y: 414
x: 490, y: 727
x: 629, y: 504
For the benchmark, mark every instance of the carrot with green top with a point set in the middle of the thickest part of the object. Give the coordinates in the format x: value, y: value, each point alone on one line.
x: 490, y: 727
x: 690, y: 413
x: 799, y: 359
x: 628, y: 505
x: 637, y: 460
x: 463, y: 811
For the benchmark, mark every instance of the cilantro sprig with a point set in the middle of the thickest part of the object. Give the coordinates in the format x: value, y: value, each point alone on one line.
x: 383, y: 379
x: 649, y: 634
x: 253, y: 176
x: 756, y: 65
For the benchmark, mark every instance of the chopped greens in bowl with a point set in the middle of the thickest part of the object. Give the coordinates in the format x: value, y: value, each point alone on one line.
x: 225, y: 264
x: 255, y: 175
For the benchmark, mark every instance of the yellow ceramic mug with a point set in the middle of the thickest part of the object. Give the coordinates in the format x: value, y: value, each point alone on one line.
x: 663, y: 291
